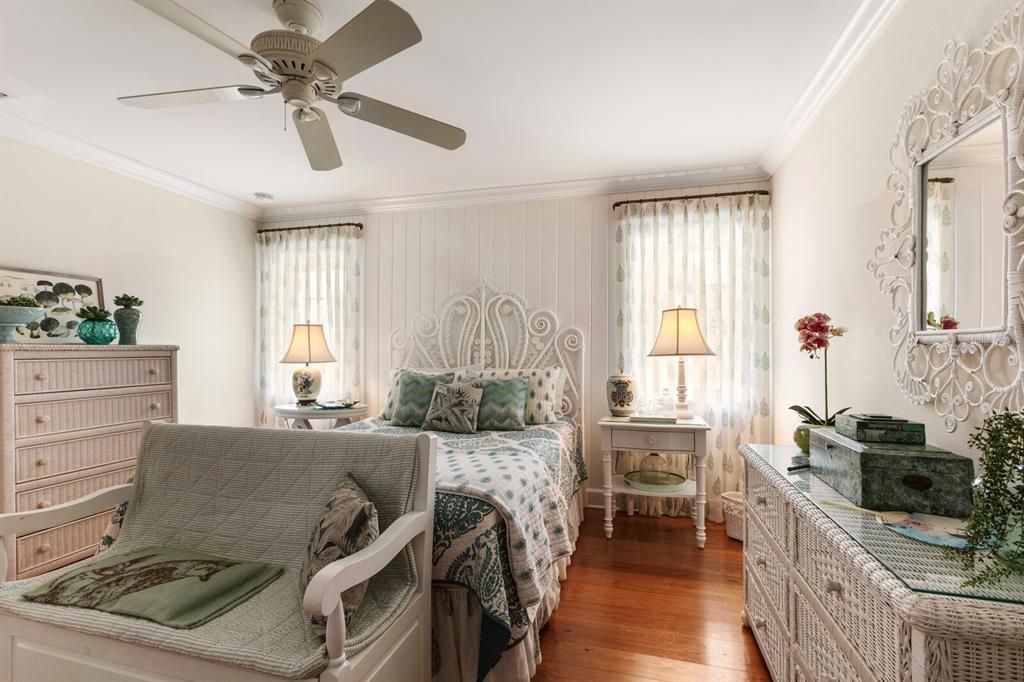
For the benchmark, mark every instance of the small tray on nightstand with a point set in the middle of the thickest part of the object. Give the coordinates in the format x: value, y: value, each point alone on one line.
x: 663, y: 482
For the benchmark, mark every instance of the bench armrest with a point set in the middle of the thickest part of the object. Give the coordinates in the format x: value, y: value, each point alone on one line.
x: 22, y: 523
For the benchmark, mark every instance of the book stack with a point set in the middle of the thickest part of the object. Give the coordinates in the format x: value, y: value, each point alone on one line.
x: 880, y: 428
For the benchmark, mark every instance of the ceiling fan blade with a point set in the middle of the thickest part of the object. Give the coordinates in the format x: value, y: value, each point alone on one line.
x: 317, y: 139
x: 180, y: 98
x: 401, y: 120
x: 381, y: 30
x: 181, y: 17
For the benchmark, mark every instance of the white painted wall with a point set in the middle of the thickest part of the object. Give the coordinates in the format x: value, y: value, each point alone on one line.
x: 829, y: 205
x: 190, y: 262
x: 554, y: 252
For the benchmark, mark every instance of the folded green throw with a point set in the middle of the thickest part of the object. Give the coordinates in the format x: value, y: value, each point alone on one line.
x: 174, y: 587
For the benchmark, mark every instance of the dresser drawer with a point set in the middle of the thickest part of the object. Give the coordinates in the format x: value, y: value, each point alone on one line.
x: 771, y: 636
x: 37, y: 419
x: 763, y: 561
x: 40, y: 461
x: 769, y: 506
x: 867, y: 621
x: 63, y: 542
x: 52, y: 495
x: 71, y: 374
x: 817, y: 650
x: 651, y: 441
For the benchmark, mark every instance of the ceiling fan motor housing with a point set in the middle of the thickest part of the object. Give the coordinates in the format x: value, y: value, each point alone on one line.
x: 303, y: 16
x: 288, y: 54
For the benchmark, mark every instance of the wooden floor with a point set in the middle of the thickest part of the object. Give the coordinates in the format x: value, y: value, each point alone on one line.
x: 649, y: 605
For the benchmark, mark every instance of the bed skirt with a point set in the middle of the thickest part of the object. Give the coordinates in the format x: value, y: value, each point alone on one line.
x: 456, y: 615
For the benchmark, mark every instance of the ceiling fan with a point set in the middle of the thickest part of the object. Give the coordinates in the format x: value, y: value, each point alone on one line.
x: 302, y: 69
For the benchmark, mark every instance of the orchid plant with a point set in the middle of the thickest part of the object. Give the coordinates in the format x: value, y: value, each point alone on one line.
x: 815, y: 333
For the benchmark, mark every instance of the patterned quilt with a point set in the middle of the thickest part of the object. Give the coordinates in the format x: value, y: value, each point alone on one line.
x: 501, y: 517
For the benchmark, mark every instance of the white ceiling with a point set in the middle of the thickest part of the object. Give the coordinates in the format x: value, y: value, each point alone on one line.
x: 547, y: 90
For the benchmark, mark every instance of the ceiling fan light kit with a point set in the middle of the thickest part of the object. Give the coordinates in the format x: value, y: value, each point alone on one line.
x: 303, y: 70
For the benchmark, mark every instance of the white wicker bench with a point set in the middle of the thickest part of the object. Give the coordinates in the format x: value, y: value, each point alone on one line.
x: 251, y: 494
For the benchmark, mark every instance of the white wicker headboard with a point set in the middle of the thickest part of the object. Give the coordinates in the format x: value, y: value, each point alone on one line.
x: 497, y: 330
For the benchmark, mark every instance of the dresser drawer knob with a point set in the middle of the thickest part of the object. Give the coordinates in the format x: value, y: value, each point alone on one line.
x: 152, y: 371
x: 43, y: 504
x: 760, y: 623
x: 43, y: 419
x: 43, y: 549
x: 41, y: 376
x: 42, y: 461
x: 154, y: 406
x: 762, y: 562
x: 833, y: 587
x: 761, y: 500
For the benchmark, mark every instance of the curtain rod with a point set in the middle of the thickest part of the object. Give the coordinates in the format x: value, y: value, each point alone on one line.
x: 308, y: 227
x: 942, y: 180
x: 762, y: 192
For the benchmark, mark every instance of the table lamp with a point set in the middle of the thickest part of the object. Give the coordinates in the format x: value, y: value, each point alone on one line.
x: 680, y: 336
x: 308, y: 345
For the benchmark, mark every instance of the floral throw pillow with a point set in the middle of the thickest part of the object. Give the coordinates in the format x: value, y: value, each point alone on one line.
x: 454, y: 408
x: 544, y: 394
x: 415, y: 391
x: 347, y: 524
x: 503, y: 404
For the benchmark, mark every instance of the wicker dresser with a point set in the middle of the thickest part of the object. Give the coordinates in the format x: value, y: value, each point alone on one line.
x: 830, y: 594
x: 70, y: 421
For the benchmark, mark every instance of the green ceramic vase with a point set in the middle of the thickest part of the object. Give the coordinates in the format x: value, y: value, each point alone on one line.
x: 97, y: 332
x: 802, y: 437
x: 127, y: 320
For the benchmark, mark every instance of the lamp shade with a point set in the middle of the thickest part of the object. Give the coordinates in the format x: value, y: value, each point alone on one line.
x: 308, y: 345
x: 680, y: 334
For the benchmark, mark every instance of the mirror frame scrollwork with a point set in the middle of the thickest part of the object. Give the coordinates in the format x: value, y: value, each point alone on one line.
x: 961, y: 372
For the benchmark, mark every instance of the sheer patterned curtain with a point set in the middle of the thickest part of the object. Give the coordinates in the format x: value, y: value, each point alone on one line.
x: 308, y: 274
x: 714, y: 255
x: 940, y: 237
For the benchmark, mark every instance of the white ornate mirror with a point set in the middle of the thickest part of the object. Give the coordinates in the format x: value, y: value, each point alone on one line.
x: 952, y: 258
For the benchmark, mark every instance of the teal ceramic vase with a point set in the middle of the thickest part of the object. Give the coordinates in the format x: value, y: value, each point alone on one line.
x: 97, y: 332
x: 127, y: 320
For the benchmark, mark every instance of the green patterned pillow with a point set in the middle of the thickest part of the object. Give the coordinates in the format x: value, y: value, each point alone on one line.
x: 415, y: 392
x: 461, y: 374
x: 544, y: 394
x: 503, y: 405
x: 347, y: 524
x: 454, y: 408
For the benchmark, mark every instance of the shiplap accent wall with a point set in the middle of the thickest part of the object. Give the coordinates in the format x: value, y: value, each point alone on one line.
x: 558, y: 253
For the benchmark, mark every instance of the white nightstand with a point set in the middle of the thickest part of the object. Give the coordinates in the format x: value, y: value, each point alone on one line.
x: 301, y: 414
x: 686, y: 436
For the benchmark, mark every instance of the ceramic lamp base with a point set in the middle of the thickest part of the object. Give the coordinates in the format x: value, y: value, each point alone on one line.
x: 306, y: 382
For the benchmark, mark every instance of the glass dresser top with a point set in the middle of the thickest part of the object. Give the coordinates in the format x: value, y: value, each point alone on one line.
x: 921, y: 567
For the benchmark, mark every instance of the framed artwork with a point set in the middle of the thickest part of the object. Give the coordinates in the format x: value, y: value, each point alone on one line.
x: 62, y: 295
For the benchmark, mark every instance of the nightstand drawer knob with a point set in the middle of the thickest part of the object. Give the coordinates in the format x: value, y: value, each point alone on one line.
x: 652, y: 440
x: 43, y: 549
x: 762, y: 562
x: 760, y: 623
x: 41, y: 376
x: 833, y: 587
x: 43, y: 504
x: 761, y: 500
x: 43, y: 419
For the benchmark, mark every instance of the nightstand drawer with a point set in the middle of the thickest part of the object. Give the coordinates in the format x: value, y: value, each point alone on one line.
x: 654, y: 441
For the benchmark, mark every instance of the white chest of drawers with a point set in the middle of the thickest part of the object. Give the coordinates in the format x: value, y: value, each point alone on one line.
x: 831, y: 595
x: 70, y: 422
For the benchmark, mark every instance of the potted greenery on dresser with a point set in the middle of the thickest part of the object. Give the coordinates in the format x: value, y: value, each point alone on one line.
x: 995, y: 530
x: 815, y: 333
x: 127, y: 317
x: 16, y: 311
x: 96, y: 328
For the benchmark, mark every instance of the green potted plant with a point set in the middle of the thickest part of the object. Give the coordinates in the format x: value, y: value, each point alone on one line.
x: 96, y: 328
x: 127, y: 317
x: 995, y: 541
x: 815, y: 333
x: 16, y: 311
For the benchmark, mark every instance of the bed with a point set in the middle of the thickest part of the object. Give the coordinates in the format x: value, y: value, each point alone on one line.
x: 508, y: 503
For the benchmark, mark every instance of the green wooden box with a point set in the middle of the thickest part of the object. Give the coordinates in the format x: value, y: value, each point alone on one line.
x: 893, y: 477
x: 880, y: 428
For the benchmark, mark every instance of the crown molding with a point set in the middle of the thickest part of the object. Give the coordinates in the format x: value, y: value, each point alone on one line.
x: 867, y: 21
x: 33, y: 133
x: 736, y: 174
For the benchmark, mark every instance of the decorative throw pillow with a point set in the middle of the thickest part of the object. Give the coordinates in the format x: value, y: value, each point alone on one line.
x: 347, y: 524
x: 461, y: 374
x: 503, y: 404
x: 544, y: 395
x: 454, y: 408
x: 113, y: 530
x: 415, y: 391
